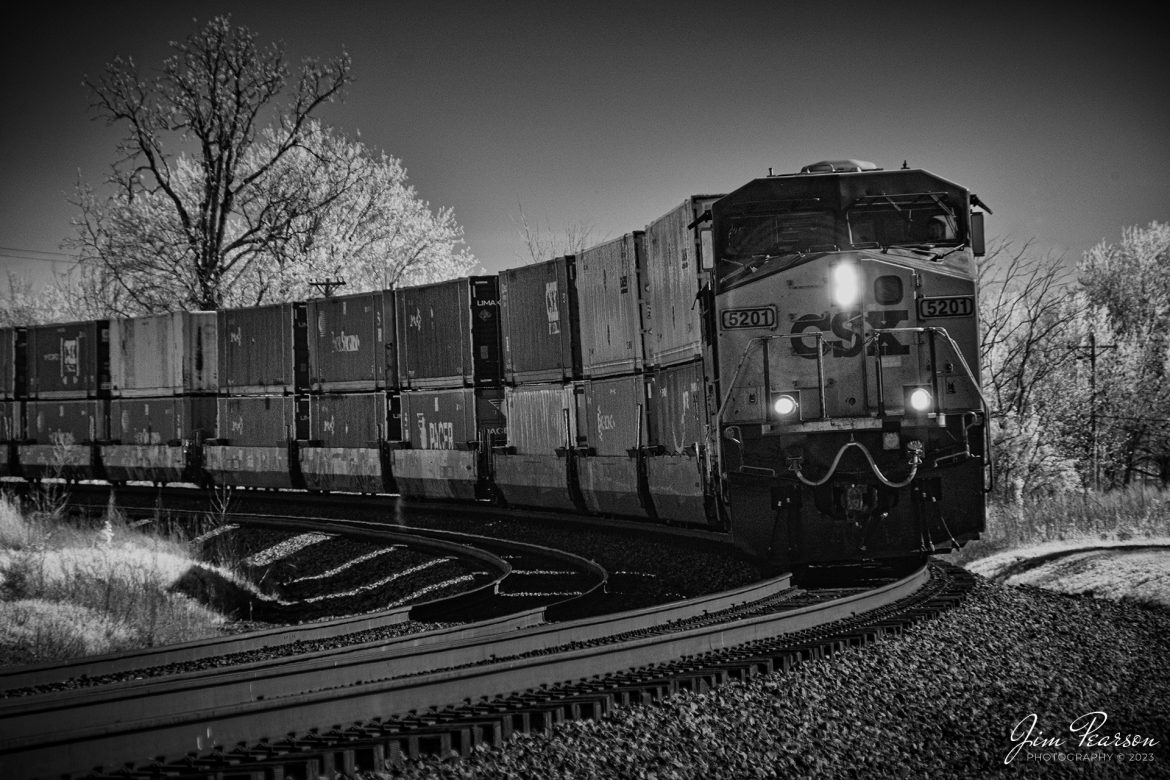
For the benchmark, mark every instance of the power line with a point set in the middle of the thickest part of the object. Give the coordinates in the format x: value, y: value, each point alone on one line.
x: 327, y: 285
x: 15, y: 253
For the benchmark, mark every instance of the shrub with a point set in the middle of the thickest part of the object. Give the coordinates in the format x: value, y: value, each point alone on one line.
x: 70, y: 591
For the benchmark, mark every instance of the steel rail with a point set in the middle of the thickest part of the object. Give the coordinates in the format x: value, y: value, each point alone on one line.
x: 91, y: 666
x: 113, y: 743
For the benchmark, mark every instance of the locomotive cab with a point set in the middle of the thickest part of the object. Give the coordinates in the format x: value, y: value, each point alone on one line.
x: 851, y: 422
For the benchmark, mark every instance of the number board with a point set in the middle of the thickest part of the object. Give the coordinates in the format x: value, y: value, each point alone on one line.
x: 954, y: 306
x: 755, y: 317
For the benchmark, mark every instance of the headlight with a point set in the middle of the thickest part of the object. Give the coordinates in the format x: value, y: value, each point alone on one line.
x: 786, y: 405
x: 919, y: 400
x: 846, y: 285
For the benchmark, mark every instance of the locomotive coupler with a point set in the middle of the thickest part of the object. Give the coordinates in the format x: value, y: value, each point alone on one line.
x: 914, y: 453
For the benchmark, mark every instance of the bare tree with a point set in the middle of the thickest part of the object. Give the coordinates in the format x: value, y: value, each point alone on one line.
x: 1030, y: 313
x: 542, y: 242
x: 188, y: 160
x: 1027, y: 305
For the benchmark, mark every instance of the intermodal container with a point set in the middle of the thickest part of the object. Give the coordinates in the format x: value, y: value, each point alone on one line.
x: 164, y: 354
x: 67, y: 421
x: 614, y: 419
x: 163, y: 420
x: 259, y: 421
x: 539, y: 322
x: 10, y: 418
x: 69, y: 361
x: 542, y: 418
x: 10, y: 434
x: 610, y: 312
x: 677, y: 408
x: 678, y: 264
x: 454, y: 419
x: 449, y: 334
x: 13, y: 363
x: 263, y: 351
x: 352, y: 343
x: 355, y: 419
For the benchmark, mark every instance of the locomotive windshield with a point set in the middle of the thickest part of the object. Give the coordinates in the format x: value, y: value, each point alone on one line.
x: 758, y: 235
x: 907, y: 220
x: 771, y: 224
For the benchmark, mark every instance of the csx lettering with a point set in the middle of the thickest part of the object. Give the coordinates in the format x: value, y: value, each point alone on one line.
x: 846, y: 326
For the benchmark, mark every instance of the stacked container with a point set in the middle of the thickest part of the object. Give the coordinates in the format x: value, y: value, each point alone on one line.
x: 575, y: 405
x: 540, y: 324
x: 608, y: 283
x: 677, y: 469
x: 13, y: 388
x: 612, y: 431
x: 353, y: 409
x: 263, y: 357
x: 164, y: 372
x: 450, y: 372
x: 609, y: 458
x: 67, y: 377
x: 678, y: 268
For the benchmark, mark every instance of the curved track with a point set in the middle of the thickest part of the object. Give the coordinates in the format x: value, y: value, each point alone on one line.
x: 369, y: 704
x: 1029, y: 564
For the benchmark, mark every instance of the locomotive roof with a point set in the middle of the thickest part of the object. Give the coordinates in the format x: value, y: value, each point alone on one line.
x: 841, y: 190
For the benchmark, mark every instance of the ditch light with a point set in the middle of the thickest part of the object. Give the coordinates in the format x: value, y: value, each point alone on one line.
x: 786, y: 406
x: 919, y: 400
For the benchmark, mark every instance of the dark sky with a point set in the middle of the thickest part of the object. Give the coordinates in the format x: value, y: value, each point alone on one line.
x: 609, y: 114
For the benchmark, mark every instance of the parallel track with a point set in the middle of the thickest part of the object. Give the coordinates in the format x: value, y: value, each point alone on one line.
x: 370, y: 704
x: 394, y: 701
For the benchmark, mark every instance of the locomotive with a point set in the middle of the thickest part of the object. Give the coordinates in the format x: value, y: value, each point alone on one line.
x: 794, y: 363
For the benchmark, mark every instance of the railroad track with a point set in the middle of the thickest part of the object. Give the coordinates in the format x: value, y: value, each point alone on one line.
x: 369, y: 705
x: 1036, y: 562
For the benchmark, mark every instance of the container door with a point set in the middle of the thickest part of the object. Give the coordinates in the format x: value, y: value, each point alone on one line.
x: 300, y: 343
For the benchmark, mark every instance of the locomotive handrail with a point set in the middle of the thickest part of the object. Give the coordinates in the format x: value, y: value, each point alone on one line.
x: 932, y: 329
x: 874, y: 334
x: 915, y: 460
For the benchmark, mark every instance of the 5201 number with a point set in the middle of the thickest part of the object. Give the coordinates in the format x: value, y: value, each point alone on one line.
x: 756, y: 317
x: 954, y: 306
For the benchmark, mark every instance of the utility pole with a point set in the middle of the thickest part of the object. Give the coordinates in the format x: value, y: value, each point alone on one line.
x: 1093, y: 349
x: 326, y: 285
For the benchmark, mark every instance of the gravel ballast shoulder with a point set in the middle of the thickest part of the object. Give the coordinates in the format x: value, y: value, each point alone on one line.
x: 941, y: 701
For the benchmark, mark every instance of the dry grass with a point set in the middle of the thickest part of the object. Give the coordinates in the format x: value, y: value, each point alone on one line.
x: 67, y: 590
x: 1120, y: 571
x: 1016, y: 535
x: 1083, y: 520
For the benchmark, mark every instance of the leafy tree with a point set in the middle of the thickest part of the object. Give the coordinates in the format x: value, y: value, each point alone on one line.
x: 22, y: 304
x: 1131, y: 279
x: 1128, y: 285
x: 227, y: 192
x: 347, y: 211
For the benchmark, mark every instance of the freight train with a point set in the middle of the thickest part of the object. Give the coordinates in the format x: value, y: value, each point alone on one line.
x: 794, y: 363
